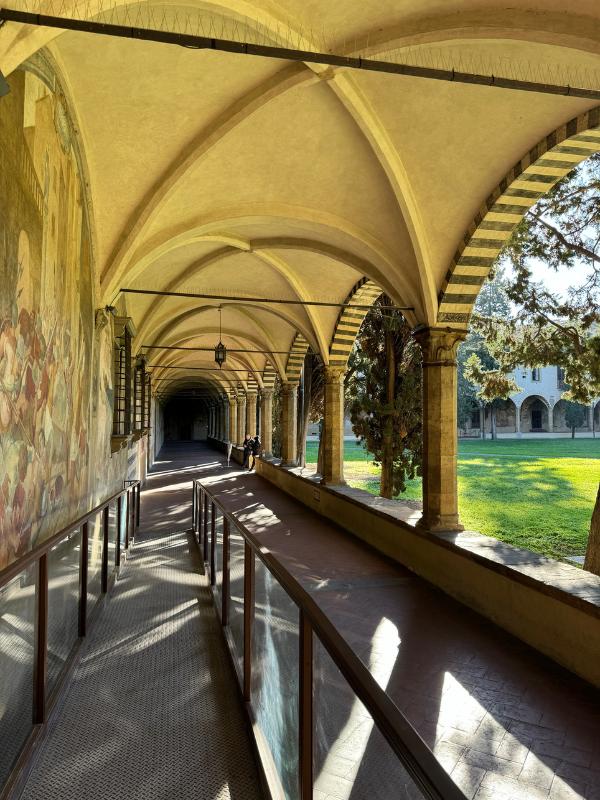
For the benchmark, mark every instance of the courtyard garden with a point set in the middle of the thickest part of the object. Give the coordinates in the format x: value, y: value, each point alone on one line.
x: 537, y: 494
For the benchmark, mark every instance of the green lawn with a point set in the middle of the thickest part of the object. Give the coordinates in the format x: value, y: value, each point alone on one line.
x: 537, y: 494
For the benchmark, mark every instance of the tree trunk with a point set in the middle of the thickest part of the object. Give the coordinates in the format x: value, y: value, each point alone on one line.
x: 592, y: 553
x: 493, y: 421
x: 572, y: 431
x: 387, y: 459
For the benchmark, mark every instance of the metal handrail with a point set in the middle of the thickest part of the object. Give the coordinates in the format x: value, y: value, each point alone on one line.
x: 42, y: 699
x: 12, y: 570
x: 416, y: 757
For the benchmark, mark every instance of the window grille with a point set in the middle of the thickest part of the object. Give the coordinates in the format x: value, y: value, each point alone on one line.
x: 122, y: 385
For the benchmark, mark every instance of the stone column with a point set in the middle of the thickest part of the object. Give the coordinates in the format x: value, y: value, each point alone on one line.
x: 590, y: 418
x: 440, y: 431
x: 550, y: 419
x: 266, y: 421
x: 289, y: 414
x: 251, y: 398
x: 333, y: 427
x: 233, y: 420
x: 518, y: 421
x: 221, y: 419
x: 210, y: 420
x: 241, y: 429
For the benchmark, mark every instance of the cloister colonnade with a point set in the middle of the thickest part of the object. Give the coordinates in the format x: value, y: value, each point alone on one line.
x: 252, y: 211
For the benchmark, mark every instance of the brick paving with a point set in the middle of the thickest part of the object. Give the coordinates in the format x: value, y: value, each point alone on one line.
x: 503, y: 720
x: 153, y: 711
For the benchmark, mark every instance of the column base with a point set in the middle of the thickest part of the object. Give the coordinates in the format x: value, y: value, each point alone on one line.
x: 327, y: 482
x: 440, y: 524
x: 288, y: 464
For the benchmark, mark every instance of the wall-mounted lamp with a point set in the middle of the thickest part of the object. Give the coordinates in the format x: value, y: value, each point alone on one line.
x: 111, y: 310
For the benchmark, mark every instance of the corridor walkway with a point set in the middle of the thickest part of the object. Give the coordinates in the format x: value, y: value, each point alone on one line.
x: 505, y: 722
x: 153, y: 709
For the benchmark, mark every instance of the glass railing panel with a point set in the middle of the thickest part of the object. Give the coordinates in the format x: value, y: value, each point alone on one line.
x: 123, y: 520
x: 112, y: 537
x: 236, y: 593
x: 94, y: 561
x: 219, y: 555
x: 17, y: 616
x: 275, y: 675
x: 63, y: 603
x: 208, y: 530
x: 351, y: 759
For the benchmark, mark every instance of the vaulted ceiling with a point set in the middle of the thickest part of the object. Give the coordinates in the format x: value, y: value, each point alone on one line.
x: 218, y: 173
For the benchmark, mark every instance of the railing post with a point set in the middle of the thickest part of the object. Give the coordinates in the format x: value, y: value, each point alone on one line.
x: 104, y: 574
x: 200, y: 515
x: 118, y: 542
x: 213, y: 545
x: 194, y: 501
x: 225, y: 582
x: 131, y: 509
x: 306, y: 708
x: 205, y: 527
x: 127, y: 518
x: 138, y: 491
x: 83, y: 576
x: 248, y: 617
x: 41, y: 642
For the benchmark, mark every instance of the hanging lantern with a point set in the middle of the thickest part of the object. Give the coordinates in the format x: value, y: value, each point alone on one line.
x: 220, y: 354
x: 220, y: 349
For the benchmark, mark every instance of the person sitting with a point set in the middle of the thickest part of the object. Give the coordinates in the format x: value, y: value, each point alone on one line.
x: 256, y: 448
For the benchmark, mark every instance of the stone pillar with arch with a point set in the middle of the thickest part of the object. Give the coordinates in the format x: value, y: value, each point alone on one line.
x: 333, y: 427
x: 440, y: 430
x: 266, y: 422
x: 233, y: 412
x: 241, y: 419
x: 289, y: 421
x: 251, y: 399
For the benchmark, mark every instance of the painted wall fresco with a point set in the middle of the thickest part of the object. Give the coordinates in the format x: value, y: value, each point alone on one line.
x: 46, y: 316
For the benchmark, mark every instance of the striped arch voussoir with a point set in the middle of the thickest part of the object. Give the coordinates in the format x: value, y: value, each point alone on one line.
x: 528, y: 181
x: 295, y: 360
x: 365, y: 292
x: 269, y: 376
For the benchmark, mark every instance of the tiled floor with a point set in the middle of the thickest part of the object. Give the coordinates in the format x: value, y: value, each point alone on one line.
x: 153, y: 712
x: 504, y: 721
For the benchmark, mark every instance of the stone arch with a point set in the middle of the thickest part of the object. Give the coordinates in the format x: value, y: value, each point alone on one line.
x: 269, y: 377
x: 365, y: 292
x: 529, y: 180
x: 559, y: 421
x: 295, y: 360
x: 506, y: 416
x: 535, y: 414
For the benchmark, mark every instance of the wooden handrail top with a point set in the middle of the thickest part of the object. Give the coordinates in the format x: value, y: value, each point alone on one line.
x: 405, y: 741
x: 12, y: 570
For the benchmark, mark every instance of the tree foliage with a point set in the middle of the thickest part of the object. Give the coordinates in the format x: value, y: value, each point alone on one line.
x: 480, y: 377
x: 384, y: 395
x: 574, y: 415
x: 562, y: 231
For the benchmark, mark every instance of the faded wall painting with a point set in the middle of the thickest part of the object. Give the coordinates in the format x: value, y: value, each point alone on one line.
x: 46, y: 315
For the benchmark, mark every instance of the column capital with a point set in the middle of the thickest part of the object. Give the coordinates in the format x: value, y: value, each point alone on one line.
x: 334, y: 374
x: 266, y: 393
x: 289, y: 387
x: 438, y: 345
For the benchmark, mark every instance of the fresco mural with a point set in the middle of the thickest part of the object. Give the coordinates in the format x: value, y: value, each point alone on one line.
x: 46, y: 316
